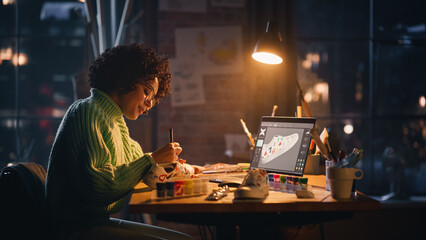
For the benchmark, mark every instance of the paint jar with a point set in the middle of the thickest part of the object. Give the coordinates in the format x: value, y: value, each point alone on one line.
x: 204, y: 185
x: 303, y: 183
x: 295, y: 183
x: 271, y: 181
x: 289, y: 183
x: 188, y: 186
x: 276, y: 186
x: 283, y: 183
x: 197, y: 186
x: 178, y: 188
x: 170, y: 188
x: 161, y: 189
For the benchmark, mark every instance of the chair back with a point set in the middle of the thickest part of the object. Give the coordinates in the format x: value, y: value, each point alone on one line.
x: 22, y: 200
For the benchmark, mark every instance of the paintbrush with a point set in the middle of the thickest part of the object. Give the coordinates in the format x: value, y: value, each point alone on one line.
x: 322, y: 148
x: 247, y: 132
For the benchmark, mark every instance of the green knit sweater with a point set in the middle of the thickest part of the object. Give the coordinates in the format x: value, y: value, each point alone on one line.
x: 93, y: 164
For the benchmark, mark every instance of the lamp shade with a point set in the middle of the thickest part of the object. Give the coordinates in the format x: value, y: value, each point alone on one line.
x: 269, y: 48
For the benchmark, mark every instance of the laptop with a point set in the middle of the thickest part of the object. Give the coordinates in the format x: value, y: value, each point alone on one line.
x: 282, y: 146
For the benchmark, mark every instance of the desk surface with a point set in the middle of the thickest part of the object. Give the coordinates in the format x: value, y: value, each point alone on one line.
x: 141, y: 202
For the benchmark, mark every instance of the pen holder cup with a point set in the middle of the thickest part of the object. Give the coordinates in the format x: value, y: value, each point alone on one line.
x: 312, y: 166
x: 341, y: 181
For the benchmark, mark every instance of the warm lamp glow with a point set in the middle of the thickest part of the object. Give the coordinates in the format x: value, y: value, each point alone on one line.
x: 267, y: 58
x: 269, y: 48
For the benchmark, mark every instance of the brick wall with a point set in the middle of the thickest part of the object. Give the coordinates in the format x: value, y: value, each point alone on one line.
x: 201, y: 129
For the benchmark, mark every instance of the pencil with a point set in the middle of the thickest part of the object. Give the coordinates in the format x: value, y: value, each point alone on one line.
x: 171, y: 135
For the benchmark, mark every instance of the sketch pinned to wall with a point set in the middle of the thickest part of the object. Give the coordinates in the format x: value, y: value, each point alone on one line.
x: 199, y: 6
x: 187, y: 84
x: 217, y: 50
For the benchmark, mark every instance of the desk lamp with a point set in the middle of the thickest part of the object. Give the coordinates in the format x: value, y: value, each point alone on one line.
x: 269, y: 50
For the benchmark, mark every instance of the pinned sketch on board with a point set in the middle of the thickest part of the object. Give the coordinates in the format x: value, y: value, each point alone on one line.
x: 218, y: 50
x: 187, y: 83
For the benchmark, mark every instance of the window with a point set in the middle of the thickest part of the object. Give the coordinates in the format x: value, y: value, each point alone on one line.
x: 42, y: 48
x: 368, y: 55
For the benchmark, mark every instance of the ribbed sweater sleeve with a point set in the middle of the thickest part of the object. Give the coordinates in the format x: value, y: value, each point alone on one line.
x: 94, y: 163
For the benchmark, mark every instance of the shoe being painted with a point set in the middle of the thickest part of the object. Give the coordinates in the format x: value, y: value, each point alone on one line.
x: 165, y: 171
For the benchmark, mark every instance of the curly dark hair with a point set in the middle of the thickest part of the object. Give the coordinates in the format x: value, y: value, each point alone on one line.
x: 122, y: 67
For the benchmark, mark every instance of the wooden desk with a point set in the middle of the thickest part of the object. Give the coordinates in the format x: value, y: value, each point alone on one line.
x: 253, y: 218
x: 276, y: 202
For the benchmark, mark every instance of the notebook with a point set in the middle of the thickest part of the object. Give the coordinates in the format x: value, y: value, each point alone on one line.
x: 282, y: 146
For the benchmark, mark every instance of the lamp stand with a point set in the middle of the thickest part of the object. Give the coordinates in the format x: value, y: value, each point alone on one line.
x: 300, y: 99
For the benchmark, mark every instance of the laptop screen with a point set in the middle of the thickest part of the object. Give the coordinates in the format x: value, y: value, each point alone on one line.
x: 282, y: 144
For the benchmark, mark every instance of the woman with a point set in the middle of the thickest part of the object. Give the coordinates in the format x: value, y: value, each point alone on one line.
x: 94, y: 163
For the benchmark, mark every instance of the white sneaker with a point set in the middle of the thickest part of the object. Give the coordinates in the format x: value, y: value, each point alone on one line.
x: 164, y: 171
x: 254, y: 186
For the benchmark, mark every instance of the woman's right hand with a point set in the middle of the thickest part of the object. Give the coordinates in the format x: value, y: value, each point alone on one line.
x: 167, y: 154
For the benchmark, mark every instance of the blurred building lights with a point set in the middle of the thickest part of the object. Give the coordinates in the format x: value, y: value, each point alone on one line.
x: 306, y: 64
x: 422, y: 101
x: 358, y: 92
x: 21, y: 60
x: 319, y: 92
x: 311, y: 61
x: 7, y: 2
x: 315, y: 58
x: 348, y: 128
x: 5, y: 54
x: 10, y: 123
x: 308, y: 95
x: 321, y: 89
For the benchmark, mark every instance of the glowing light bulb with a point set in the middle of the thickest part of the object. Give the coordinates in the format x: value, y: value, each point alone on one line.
x: 267, y: 58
